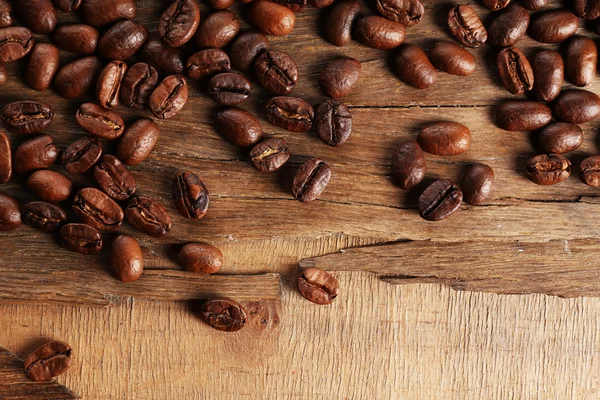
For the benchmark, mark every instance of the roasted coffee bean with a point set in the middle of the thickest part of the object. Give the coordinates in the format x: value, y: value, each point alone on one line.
x: 320, y: 3
x: 220, y: 4
x: 495, y: 5
x: 6, y: 18
x: 269, y: 155
x: 290, y: 113
x: 45, y: 217
x: 333, y: 122
x: 549, y: 72
x: 466, y: 26
x: 67, y: 5
x: 587, y: 9
x: 77, y: 78
x: 122, y: 40
x: 407, y: 12
x: 439, y: 200
x: 81, y: 155
x: 201, y: 258
x: 238, y: 126
x: 445, y: 138
x: 138, y: 84
x: 582, y: 60
x: 413, y: 67
x: 271, y: 18
x: 44, y: 63
x: 77, y: 38
x: 310, y: 180
x: 190, y: 195
x: 379, y: 33
x: 105, y: 12
x: 229, y: 89
x: 576, y: 106
x: 114, y: 178
x: 218, y: 29
x: 36, y: 153
x: 276, y: 71
x: 10, y: 213
x: 26, y: 117
x: 99, y: 122
x: 548, y: 169
x: 515, y: 70
x: 223, y: 314
x: 509, y: 26
x: 560, y: 138
x: 179, y: 22
x: 109, y: 84
x: 477, y: 183
x: 48, y: 361
x: 553, y: 26
x: 534, y: 5
x: 80, y: 238
x: 339, y: 77
x: 589, y: 171
x: 147, y: 216
x: 97, y: 209
x: 169, y: 97
x: 340, y: 21
x: 167, y: 60
x: 452, y: 59
x: 318, y: 286
x: 5, y: 159
x: 138, y: 141
x: 38, y: 15
x: 126, y: 258
x: 408, y: 165
x: 49, y: 185
x: 246, y: 48
x: 522, y: 115
x: 206, y: 63
x: 15, y: 43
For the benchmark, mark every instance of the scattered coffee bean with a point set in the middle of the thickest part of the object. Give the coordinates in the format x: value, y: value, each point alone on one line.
x: 276, y: 71
x: 105, y: 12
x: 560, y: 138
x: 466, y: 26
x: 333, y: 122
x: 549, y: 72
x: 229, y: 89
x: 271, y: 18
x: 38, y: 15
x: 439, y: 200
x: 408, y: 165
x: 340, y: 21
x: 576, y: 106
x: 48, y: 361
x: 68, y: 5
x: 44, y: 63
x: 97, y: 209
x: 495, y: 5
x: 179, y: 22
x: 5, y: 159
x: 290, y: 113
x: 318, y: 286
x: 126, y: 258
x: 589, y: 171
x: 45, y: 217
x: 81, y: 155
x: 269, y: 155
x: 379, y: 33
x: 169, y: 97
x: 407, y: 12
x: 452, y: 59
x: 339, y: 77
x: 99, y: 122
x: 587, y: 9
x: 6, y: 18
x: 137, y: 142
x: 553, y: 26
x: 206, y: 63
x: 122, y: 40
x: 201, y: 258
x: 26, y: 117
x: 310, y: 180
x: 190, y: 195
x: 109, y: 84
x: 77, y: 78
x: 238, y: 126
x: 582, y: 60
x: 246, y: 48
x: 165, y: 59
x: 534, y: 5
x: 49, y: 185
x: 114, y: 178
x: 548, y: 169
x: 515, y: 70
x: 445, y: 138
x: 519, y: 115
x: 10, y: 213
x: 477, y: 183
x: 413, y: 67
x: 147, y: 216
x: 80, y: 238
x: 36, y: 153
x: 77, y: 38
x: 509, y: 26
x: 224, y: 315
x: 217, y: 30
x: 15, y: 43
x: 138, y: 84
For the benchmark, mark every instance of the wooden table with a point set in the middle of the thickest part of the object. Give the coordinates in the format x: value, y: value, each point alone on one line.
x: 381, y: 339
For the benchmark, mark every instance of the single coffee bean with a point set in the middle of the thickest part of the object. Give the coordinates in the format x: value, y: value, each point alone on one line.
x: 138, y: 84
x: 44, y: 63
x: 310, y: 180
x: 414, y: 68
x: 81, y: 155
x: 379, y: 33
x: 439, y: 200
x: 137, y: 142
x: 276, y: 71
x: 122, y: 40
x: 534, y: 5
x: 224, y: 314
x: 509, y: 26
x: 99, y: 122
x: 245, y: 49
x: 165, y: 59
x: 114, y: 178
x: 67, y: 5
x: 238, y: 126
x: 553, y: 26
x: 36, y: 153
x: 340, y: 76
x: 126, y: 258
x: 48, y: 361
x: 269, y: 155
x: 549, y: 72
x: 548, y: 169
x: 6, y: 18
x: 560, y: 138
x: 109, y: 83
x: 218, y: 29
x: 77, y: 38
x: 587, y: 9
x: 477, y: 183
x: 407, y: 12
x: 445, y: 138
x: 495, y: 5
x: 340, y: 21
x: 408, y: 165
x: 206, y: 63
x: 105, y: 12
x: 49, y: 185
x: 290, y: 113
x: 220, y: 4
x: 589, y: 171
x: 466, y: 26
x: 271, y: 18
x: 10, y: 213
x: 515, y: 70
x: 318, y: 286
x: 229, y: 89
x: 519, y: 115
x: 5, y: 159
x: 77, y: 78
x: 333, y: 122
x: 190, y: 195
x: 169, y: 97
x: 201, y: 258
x: 15, y: 43
x: 582, y: 60
x: 45, y: 217
x: 179, y: 22
x: 80, y: 238
x: 38, y: 15
x: 576, y: 106
x: 452, y: 59
x: 97, y: 209
x: 147, y: 216
x: 27, y: 117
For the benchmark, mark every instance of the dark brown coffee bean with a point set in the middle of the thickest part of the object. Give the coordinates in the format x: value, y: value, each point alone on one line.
x: 269, y: 155
x: 109, y: 83
x: 379, y: 33
x: 271, y: 18
x: 15, y: 43
x: 220, y: 4
x: 246, y: 48
x: 587, y: 9
x: 576, y: 106
x: 27, y: 117
x: 190, y: 195
x: 333, y: 122
x: 147, y: 216
x: 340, y: 21
x: 36, y: 153
x: 49, y: 185
x: 138, y: 84
x: 290, y: 113
x: 407, y: 12
x: 81, y: 155
x: 495, y: 5
x: 560, y: 138
x: 553, y: 26
x: 138, y: 141
x: 522, y: 115
x: 10, y: 213
x: 6, y: 18
x: 218, y: 29
x: 229, y: 89
x: 439, y: 200
x: 509, y: 26
x: 466, y: 26
x: 276, y: 71
x: 318, y: 286
x: 534, y: 5
x: 105, y: 12
x: 515, y: 70
x: 477, y: 183
x: 549, y: 72
x: 44, y: 63
x: 206, y: 63
x: 224, y: 314
x: 339, y: 77
x: 169, y: 97
x: 77, y: 78
x: 77, y: 38
x: 582, y: 60
x: 452, y: 59
x: 97, y: 209
x: 548, y: 169
x: 238, y: 126
x: 179, y: 22
x: 589, y: 171
x: 165, y: 59
x: 114, y: 178
x: 45, y: 217
x: 408, y: 165
x: 67, y: 5
x: 201, y: 258
x: 122, y: 40
x: 80, y: 238
x: 310, y: 180
x: 99, y: 122
x: 445, y: 138
x: 5, y: 159
x: 126, y: 258
x: 413, y: 67
x: 38, y: 15
x: 48, y: 361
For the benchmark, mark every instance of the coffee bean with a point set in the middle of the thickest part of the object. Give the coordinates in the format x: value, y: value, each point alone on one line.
x: 147, y: 216
x: 38, y: 15
x: 165, y: 59
x: 50, y: 186
x: 5, y: 159
x: 522, y: 115
x: 439, y: 200
x: 100, y: 122
x: 290, y: 113
x: 320, y: 3
x: 318, y: 286
x: 534, y: 5
x: 560, y: 138
x: 582, y: 60
x: 413, y: 67
x: 229, y: 89
x: 515, y: 70
x: 48, y: 361
x: 549, y: 72
x: 44, y: 63
x: 509, y: 26
x: 466, y: 26
x: 452, y: 59
x: 45, y: 217
x: 10, y: 213
x: 109, y: 84
x: 220, y: 4
x: 238, y: 126
x: 224, y: 315
x: 340, y: 76
x: 246, y: 48
x: 105, y: 12
x: 80, y: 238
x: 206, y: 63
x: 589, y: 171
x: 379, y: 33
x: 218, y: 29
x: 67, y: 5
x: 553, y: 26
x: 445, y: 138
x: 77, y: 78
x: 179, y: 22
x: 269, y: 155
x: 169, y: 97
x: 310, y: 180
x: 477, y: 183
x: 548, y: 169
x: 122, y: 40
x: 97, y: 209
x: 495, y: 5
x: 190, y: 195
x: 276, y: 71
x: 271, y: 18
x: 114, y: 178
x: 587, y: 9
x: 333, y: 122
x: 340, y: 21
x: 36, y: 153
x: 81, y: 155
x: 15, y: 43
x: 27, y: 117
x: 407, y: 12
x: 408, y: 165
x: 6, y: 18
x: 126, y: 258
x: 576, y: 106
x: 201, y: 258
x: 137, y: 142
x: 77, y: 38
x: 138, y: 84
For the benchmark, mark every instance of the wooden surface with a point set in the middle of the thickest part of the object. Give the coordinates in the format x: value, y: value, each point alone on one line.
x: 377, y: 341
